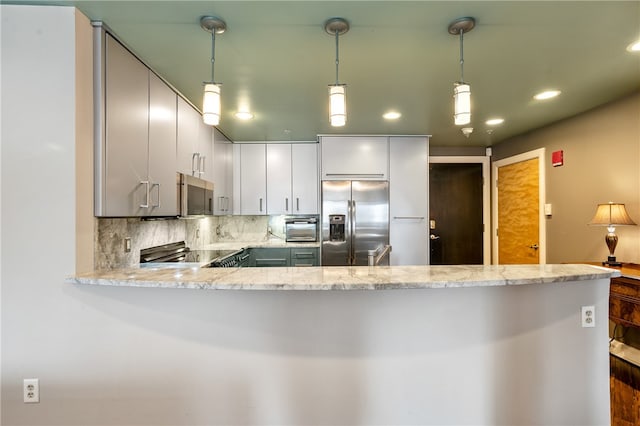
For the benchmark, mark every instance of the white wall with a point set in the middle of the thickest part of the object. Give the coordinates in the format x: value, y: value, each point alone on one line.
x: 131, y: 356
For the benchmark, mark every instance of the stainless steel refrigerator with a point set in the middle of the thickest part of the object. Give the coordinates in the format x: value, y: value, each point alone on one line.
x: 355, y: 219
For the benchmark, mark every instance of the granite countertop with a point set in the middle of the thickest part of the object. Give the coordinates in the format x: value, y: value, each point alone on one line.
x: 272, y: 242
x: 343, y: 278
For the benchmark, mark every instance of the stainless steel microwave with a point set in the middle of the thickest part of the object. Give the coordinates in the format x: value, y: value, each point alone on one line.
x: 301, y: 229
x: 196, y: 196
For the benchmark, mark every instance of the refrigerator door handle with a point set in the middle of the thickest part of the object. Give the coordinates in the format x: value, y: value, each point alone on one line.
x: 353, y: 233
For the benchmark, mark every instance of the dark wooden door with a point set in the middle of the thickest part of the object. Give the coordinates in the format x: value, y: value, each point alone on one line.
x: 455, y: 203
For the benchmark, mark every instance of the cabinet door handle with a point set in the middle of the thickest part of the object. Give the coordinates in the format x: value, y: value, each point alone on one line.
x: 297, y: 204
x: 194, y: 157
x: 146, y: 200
x: 409, y: 217
x: 356, y: 174
x: 260, y: 204
x: 286, y: 204
x: 157, y: 185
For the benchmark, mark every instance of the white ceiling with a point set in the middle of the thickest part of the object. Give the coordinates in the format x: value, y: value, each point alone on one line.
x: 277, y: 58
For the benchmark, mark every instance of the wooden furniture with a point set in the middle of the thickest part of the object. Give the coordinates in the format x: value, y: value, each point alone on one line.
x: 624, y: 310
x: 624, y: 297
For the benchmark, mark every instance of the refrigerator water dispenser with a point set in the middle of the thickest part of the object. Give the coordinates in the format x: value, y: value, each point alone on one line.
x: 336, y: 227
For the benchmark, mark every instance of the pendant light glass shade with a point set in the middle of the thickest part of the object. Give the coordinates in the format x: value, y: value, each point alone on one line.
x: 211, y: 104
x: 462, y: 103
x: 337, y: 105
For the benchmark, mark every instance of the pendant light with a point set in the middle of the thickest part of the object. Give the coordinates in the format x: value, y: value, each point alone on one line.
x: 462, y: 90
x: 211, y: 100
x: 337, y: 92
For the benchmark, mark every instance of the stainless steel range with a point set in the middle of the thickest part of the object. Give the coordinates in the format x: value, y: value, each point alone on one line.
x: 178, y: 255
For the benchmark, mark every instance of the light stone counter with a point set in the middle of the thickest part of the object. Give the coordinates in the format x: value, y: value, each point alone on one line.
x: 344, y: 278
x: 272, y: 242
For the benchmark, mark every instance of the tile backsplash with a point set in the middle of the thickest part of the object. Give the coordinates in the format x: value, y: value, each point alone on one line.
x: 111, y: 234
x: 196, y: 232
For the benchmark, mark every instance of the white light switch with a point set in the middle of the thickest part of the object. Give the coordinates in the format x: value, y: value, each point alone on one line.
x: 547, y: 210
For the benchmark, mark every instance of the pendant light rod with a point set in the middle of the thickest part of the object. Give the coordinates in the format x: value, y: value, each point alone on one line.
x: 461, y: 55
x: 336, y: 27
x: 337, y: 56
x: 459, y: 27
x: 213, y: 54
x: 213, y: 25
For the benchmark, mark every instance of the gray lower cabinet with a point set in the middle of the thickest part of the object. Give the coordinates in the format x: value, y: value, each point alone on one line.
x: 268, y: 256
x: 305, y: 256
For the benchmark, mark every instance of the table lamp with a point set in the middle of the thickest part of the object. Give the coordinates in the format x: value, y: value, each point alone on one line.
x: 611, y: 215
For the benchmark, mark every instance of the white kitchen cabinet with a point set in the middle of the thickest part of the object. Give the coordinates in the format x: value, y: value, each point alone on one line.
x: 205, y: 151
x: 275, y: 179
x: 163, y: 196
x: 136, y: 119
x: 279, y: 199
x: 222, y: 174
x: 252, y: 179
x: 355, y: 157
x: 188, y: 128
x: 408, y: 200
x: 195, y: 143
x: 304, y: 178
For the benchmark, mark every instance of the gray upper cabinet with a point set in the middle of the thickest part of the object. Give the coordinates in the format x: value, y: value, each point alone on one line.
x: 275, y: 179
x: 279, y: 199
x: 409, y: 200
x: 355, y: 157
x: 251, y: 178
x: 195, y: 143
x: 162, y: 148
x: 222, y: 174
x: 304, y: 178
x: 136, y: 118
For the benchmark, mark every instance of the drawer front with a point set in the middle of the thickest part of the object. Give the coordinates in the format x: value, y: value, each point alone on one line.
x: 624, y: 301
x: 625, y: 287
x: 271, y: 262
x: 304, y: 256
x: 266, y: 257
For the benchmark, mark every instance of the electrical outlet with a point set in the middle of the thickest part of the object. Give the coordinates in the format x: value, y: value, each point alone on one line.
x: 588, y: 316
x: 31, y: 390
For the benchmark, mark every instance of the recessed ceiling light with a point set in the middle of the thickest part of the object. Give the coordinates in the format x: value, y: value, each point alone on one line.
x: 244, y: 115
x: 634, y: 47
x: 391, y: 115
x: 547, y: 94
x: 494, y: 121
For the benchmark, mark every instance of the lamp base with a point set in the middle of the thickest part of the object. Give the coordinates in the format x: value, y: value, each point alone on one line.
x: 611, y: 261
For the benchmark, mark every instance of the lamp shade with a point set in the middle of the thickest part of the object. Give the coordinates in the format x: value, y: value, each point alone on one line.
x: 337, y: 105
x: 211, y: 104
x: 462, y: 103
x: 611, y: 214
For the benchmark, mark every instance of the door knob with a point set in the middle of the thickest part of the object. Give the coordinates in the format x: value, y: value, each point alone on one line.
x: 434, y: 237
x: 534, y: 246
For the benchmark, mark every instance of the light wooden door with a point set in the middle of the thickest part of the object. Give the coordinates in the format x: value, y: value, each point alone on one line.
x: 519, y: 212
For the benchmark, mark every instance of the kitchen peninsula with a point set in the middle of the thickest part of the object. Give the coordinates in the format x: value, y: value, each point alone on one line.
x: 342, y: 278
x: 415, y: 345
